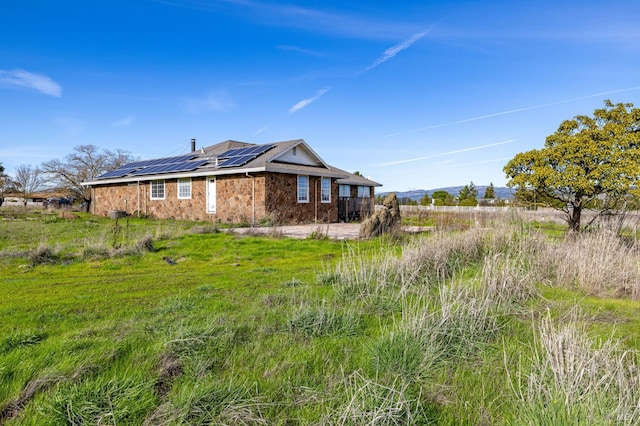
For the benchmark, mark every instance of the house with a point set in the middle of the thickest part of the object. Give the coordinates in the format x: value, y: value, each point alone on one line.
x: 236, y: 182
x: 37, y: 199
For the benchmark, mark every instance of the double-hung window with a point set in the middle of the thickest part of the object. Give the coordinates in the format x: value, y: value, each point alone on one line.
x: 184, y: 188
x: 157, y: 190
x: 325, y: 190
x: 303, y: 189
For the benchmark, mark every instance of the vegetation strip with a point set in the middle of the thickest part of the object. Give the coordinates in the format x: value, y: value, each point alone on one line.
x: 262, y: 330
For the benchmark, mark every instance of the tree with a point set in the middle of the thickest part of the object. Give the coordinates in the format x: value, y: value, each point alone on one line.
x: 407, y: 201
x: 425, y: 200
x: 443, y: 198
x: 27, y: 180
x: 4, y: 180
x: 86, y: 163
x: 588, y: 163
x: 468, y: 195
x: 490, y: 191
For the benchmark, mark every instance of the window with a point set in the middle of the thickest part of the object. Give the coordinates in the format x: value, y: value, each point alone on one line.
x: 303, y: 189
x: 157, y: 190
x: 325, y: 190
x: 184, y: 188
x: 363, y: 192
x: 344, y: 190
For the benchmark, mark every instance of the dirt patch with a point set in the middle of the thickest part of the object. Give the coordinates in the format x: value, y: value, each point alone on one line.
x: 12, y: 409
x: 170, y: 369
x: 332, y: 231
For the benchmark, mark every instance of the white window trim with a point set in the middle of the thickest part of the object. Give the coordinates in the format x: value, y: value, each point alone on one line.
x: 187, y: 183
x: 365, y: 193
x: 303, y: 200
x: 212, y: 195
x: 164, y: 189
x: 322, y: 190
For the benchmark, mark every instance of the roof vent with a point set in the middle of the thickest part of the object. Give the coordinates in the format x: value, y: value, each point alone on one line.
x: 193, y: 145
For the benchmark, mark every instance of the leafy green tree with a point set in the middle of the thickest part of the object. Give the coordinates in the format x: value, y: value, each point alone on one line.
x: 490, y: 191
x: 425, y: 200
x: 443, y: 198
x: 407, y: 201
x: 588, y: 163
x: 468, y: 195
x: 86, y: 163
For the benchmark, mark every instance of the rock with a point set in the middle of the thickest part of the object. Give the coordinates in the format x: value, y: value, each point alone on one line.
x: 384, y: 221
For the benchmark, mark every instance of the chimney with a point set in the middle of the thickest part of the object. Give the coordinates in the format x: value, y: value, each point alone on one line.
x: 193, y: 145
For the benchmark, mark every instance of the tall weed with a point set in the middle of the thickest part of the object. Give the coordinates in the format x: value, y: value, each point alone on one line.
x: 573, y: 379
x: 600, y: 263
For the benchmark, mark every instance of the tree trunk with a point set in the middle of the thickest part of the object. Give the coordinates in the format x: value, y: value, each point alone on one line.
x: 574, y: 218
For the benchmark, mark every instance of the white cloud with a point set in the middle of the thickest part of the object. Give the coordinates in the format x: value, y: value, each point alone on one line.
x: 394, y: 50
x: 261, y: 130
x: 124, y: 122
x: 303, y: 103
x: 299, y: 50
x: 217, y: 101
x: 281, y: 14
x: 457, y: 151
x: 25, y: 79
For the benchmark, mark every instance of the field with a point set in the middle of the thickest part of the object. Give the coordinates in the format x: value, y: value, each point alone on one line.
x: 499, y: 321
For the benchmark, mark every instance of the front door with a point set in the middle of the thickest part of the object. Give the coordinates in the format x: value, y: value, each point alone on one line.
x: 211, y: 195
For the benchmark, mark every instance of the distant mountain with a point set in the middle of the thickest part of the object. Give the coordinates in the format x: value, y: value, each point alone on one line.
x: 503, y: 193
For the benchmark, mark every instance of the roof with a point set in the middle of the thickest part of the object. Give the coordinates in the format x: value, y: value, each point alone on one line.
x: 229, y: 157
x: 354, y: 179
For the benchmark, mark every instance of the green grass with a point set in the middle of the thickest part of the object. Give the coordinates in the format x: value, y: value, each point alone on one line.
x: 193, y: 326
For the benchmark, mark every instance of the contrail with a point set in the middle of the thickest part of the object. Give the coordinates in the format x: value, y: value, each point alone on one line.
x: 474, y: 148
x: 482, y: 117
x: 394, y: 50
x: 303, y: 103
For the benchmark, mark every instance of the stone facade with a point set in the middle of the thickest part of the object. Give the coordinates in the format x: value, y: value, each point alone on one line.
x: 239, y: 199
x: 282, y: 201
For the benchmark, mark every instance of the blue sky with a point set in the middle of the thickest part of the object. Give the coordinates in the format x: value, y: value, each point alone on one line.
x: 413, y: 94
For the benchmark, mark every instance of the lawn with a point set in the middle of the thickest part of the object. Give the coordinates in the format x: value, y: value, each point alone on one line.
x: 161, y: 322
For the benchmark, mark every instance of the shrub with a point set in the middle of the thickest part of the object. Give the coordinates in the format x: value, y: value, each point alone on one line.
x: 44, y: 254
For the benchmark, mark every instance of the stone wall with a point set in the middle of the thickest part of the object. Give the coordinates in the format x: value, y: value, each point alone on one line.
x: 282, y: 201
x: 240, y: 199
x: 135, y: 199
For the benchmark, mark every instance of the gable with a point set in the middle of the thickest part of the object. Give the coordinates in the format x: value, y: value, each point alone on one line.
x: 299, y: 154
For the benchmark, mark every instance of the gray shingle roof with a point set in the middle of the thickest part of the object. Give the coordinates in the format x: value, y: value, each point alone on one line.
x: 206, y: 161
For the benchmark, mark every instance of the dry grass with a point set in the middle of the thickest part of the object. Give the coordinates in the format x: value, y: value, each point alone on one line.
x: 574, y: 379
x: 600, y: 263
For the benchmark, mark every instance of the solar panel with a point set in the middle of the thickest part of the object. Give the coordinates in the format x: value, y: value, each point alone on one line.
x: 117, y: 173
x: 158, y: 161
x: 185, y: 166
x: 239, y: 152
x: 238, y: 161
